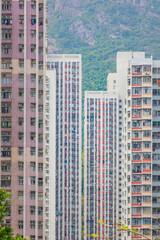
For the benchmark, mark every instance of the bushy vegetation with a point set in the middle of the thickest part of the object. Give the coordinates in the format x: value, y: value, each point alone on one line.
x: 114, y: 26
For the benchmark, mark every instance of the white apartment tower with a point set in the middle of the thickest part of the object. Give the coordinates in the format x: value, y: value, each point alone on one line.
x: 67, y: 145
x: 140, y: 78
x: 102, y: 160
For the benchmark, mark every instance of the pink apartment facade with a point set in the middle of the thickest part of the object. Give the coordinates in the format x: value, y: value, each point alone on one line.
x: 22, y: 71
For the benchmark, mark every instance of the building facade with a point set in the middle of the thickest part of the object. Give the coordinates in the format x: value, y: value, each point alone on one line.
x: 140, y: 165
x: 68, y: 145
x: 102, y: 161
x: 22, y: 72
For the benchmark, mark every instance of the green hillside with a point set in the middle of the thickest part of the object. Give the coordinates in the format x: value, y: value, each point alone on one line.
x: 99, y: 28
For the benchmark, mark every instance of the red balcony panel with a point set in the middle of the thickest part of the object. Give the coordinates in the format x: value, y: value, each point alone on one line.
x: 136, y: 106
x: 136, y: 128
x: 137, y: 96
x: 137, y: 205
x: 146, y: 171
x: 137, y: 194
x: 136, y: 150
x: 136, y: 237
x: 137, y: 226
x: 136, y: 74
x: 146, y: 160
x: 136, y: 139
x: 137, y: 117
x: 139, y: 183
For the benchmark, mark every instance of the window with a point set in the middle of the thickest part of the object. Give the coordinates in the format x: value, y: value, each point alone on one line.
x: 40, y: 152
x: 6, y: 78
x: 40, y: 79
x: 20, y: 195
x: 33, y: 122
x: 40, y: 182
x: 20, y: 224
x: 33, y: 136
x: 32, y: 195
x: 33, y: 92
x: 8, y: 222
x: 137, y: 80
x: 40, y: 7
x: 40, y: 124
x: 40, y: 225
x: 21, y: 77
x: 21, y: 63
x: 21, y: 136
x: 21, y: 4
x: 40, y: 137
x: 6, y: 34
x: 32, y: 224
x: 20, y: 210
x: 40, y: 94
x: 40, y: 21
x: 6, y: 107
x: 136, y: 69
x: 33, y: 19
x: 40, y: 210
x: 33, y: 151
x: 33, y: 107
x: 21, y: 92
x: 41, y: 65
x: 147, y: 69
x: 21, y: 19
x: 40, y: 35
x: 5, y: 152
x: 33, y: 48
x: 40, y: 108
x: 40, y: 196
x: 32, y: 237
x: 21, y: 48
x: 6, y: 137
x: 6, y: 122
x: 20, y: 180
x: 32, y: 210
x: 33, y: 166
x: 33, y: 77
x: 6, y: 63
x: 6, y: 48
x: 5, y: 166
x: 40, y: 50
x: 20, y: 121
x: 21, y: 34
x: 20, y: 166
x: 20, y: 151
x: 33, y: 63
x: 5, y: 181
x: 33, y: 4
x: 7, y: 19
x: 21, y: 107
x: 33, y: 33
x: 156, y: 70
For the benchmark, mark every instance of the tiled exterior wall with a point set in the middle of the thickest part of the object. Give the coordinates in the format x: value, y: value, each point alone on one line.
x: 102, y: 158
x: 16, y: 78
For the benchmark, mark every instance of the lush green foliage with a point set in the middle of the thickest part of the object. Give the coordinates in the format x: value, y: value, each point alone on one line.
x: 113, y: 26
x: 6, y: 233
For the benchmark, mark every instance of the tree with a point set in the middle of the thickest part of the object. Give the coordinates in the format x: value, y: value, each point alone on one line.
x: 122, y: 228
x: 6, y: 232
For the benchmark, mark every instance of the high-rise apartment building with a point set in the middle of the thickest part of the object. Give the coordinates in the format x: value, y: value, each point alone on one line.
x: 102, y: 161
x: 22, y: 72
x: 67, y: 93
x: 141, y: 159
